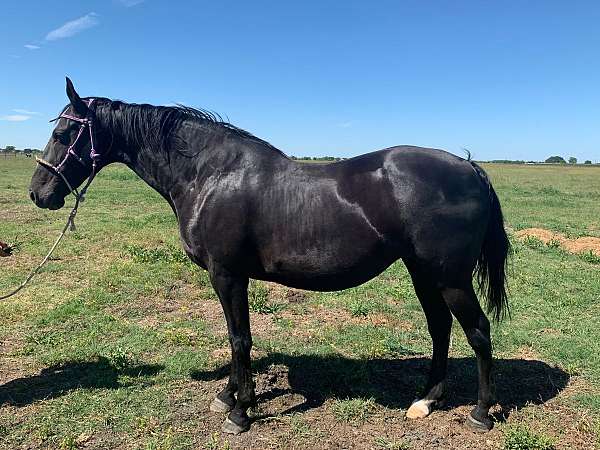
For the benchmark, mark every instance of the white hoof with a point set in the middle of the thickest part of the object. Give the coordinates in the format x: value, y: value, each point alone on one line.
x: 219, y: 406
x: 232, y: 428
x: 420, y: 409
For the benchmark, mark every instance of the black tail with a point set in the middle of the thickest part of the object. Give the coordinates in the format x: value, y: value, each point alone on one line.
x: 491, y: 264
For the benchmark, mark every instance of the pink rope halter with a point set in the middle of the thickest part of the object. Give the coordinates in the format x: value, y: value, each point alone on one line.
x: 88, y: 123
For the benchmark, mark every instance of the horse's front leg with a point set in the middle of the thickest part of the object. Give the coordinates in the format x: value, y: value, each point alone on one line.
x: 233, y: 293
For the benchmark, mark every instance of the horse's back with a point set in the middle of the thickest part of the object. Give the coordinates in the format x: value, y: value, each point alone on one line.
x: 404, y: 188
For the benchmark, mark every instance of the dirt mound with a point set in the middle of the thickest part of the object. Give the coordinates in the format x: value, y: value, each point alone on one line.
x: 579, y: 245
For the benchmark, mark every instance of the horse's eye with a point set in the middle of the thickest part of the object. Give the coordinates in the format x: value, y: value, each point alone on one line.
x: 60, y: 137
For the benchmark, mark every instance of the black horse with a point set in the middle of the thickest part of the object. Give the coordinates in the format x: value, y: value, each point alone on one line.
x: 245, y: 210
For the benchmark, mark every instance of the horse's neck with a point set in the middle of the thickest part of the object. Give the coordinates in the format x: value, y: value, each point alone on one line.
x: 150, y: 167
x: 160, y: 169
x: 172, y: 171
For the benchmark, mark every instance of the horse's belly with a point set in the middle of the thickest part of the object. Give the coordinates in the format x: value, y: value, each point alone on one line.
x: 331, y: 266
x: 331, y: 281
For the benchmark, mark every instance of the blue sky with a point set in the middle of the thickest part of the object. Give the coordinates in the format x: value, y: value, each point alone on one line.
x: 509, y: 79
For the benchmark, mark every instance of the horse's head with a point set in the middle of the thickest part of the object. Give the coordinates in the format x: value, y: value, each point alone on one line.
x: 68, y: 157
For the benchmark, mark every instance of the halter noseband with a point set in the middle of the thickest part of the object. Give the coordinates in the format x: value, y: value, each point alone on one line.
x: 88, y: 123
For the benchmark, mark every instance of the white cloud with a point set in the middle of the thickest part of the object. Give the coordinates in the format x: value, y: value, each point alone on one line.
x: 130, y: 3
x: 15, y: 118
x: 25, y: 111
x: 345, y: 124
x: 31, y: 46
x: 74, y: 27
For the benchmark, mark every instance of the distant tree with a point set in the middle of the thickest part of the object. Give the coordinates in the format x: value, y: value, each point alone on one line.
x: 587, y: 161
x: 556, y: 159
x: 572, y: 160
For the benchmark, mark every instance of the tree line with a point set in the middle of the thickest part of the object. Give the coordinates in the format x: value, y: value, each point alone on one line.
x: 11, y: 149
x: 556, y: 159
x: 550, y: 160
x: 316, y: 158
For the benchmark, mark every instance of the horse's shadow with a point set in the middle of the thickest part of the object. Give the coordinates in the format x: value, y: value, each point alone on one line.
x: 394, y: 383
x: 58, y: 380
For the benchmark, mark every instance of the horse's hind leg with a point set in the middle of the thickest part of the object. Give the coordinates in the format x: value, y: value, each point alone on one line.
x: 463, y: 303
x: 439, y: 323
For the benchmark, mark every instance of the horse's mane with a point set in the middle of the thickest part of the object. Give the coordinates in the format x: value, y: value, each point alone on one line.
x: 154, y: 127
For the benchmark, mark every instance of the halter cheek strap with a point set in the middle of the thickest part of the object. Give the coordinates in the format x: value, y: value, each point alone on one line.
x: 86, y: 122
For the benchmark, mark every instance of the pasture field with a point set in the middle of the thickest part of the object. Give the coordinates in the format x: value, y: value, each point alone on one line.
x: 121, y: 343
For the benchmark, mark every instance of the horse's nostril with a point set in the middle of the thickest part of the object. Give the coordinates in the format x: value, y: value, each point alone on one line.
x: 32, y: 196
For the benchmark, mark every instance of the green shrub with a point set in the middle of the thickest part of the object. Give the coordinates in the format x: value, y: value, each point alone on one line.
x: 359, y: 307
x: 388, y: 444
x: 356, y: 410
x: 590, y: 257
x: 258, y: 299
x: 533, y: 242
x: 167, y: 254
x: 519, y: 437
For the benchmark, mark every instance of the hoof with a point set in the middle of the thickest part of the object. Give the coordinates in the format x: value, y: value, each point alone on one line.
x: 219, y: 406
x: 230, y: 427
x: 484, y: 425
x: 420, y: 409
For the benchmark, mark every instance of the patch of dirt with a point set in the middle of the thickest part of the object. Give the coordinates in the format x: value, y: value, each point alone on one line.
x: 179, y: 301
x: 184, y: 301
x: 578, y: 245
x: 336, y: 317
x: 527, y: 354
x: 277, y: 292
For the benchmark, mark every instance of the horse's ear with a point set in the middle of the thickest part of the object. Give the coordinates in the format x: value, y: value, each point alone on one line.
x: 79, y: 105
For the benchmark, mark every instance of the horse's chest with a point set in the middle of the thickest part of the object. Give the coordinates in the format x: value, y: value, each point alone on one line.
x: 192, y: 238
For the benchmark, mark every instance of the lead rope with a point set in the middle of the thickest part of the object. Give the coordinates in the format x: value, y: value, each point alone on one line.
x: 70, y: 225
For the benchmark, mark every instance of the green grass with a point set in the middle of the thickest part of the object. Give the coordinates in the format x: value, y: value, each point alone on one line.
x: 520, y: 437
x: 389, y: 444
x: 259, y: 301
x: 562, y: 199
x: 215, y: 442
x: 105, y: 343
x: 353, y: 411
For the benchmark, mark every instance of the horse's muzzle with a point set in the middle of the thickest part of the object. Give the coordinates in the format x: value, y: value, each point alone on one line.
x: 51, y: 202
